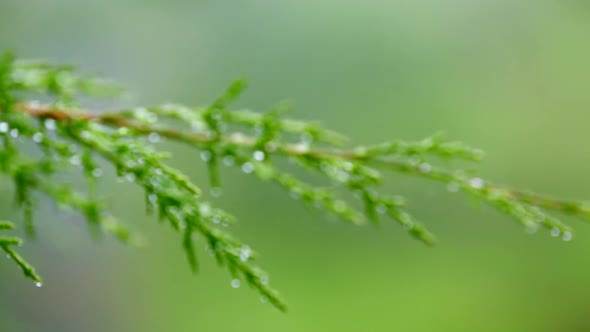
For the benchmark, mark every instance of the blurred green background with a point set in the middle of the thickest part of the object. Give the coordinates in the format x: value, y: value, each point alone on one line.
x: 511, y: 77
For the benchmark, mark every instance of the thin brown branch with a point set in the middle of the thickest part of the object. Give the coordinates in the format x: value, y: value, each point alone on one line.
x: 115, y: 120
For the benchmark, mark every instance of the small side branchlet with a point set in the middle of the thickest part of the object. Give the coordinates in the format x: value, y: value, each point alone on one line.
x: 68, y: 136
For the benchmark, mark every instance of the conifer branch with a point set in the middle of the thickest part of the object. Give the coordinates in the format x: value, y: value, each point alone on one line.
x: 70, y: 136
x: 427, y: 146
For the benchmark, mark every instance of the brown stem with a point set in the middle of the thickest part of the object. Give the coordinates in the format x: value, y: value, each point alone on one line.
x: 115, y: 120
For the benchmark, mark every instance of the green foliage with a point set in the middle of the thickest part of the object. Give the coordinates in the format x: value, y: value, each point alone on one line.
x: 6, y: 244
x: 67, y: 136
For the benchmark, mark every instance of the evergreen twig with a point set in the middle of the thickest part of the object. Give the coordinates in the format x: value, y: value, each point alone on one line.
x: 70, y: 136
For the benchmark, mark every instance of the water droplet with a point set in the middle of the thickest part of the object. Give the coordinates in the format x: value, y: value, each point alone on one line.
x: 245, y: 253
x: 307, y: 138
x: 130, y: 177
x: 154, y: 138
x: 206, y: 155
x: 14, y: 133
x: 140, y: 161
x: 555, y: 232
x: 414, y: 161
x: 217, y: 116
x: 123, y: 131
x: 4, y: 127
x: 198, y: 125
x: 342, y: 176
x: 263, y: 299
x: 532, y: 228
x: 381, y: 209
x: 37, y: 137
x: 143, y: 114
x: 339, y: 206
x: 476, y: 183
x: 73, y: 148
x: 247, y: 168
x: 205, y: 209
x: 567, y: 236
x: 271, y: 147
x: 264, y: 280
x: 228, y: 161
x: 151, y: 118
x: 236, y: 283
x: 159, y: 171
x: 348, y: 166
x: 425, y: 168
x: 75, y: 160
x: 301, y: 148
x: 318, y: 204
x: 97, y: 172
x: 258, y: 130
x: 50, y: 124
x: 216, y: 192
x: 259, y: 155
x: 453, y: 187
x: 38, y: 284
x: 153, y: 198
x: 130, y: 164
x: 85, y: 134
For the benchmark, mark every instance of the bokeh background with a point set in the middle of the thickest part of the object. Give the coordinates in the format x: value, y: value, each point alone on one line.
x: 511, y: 77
